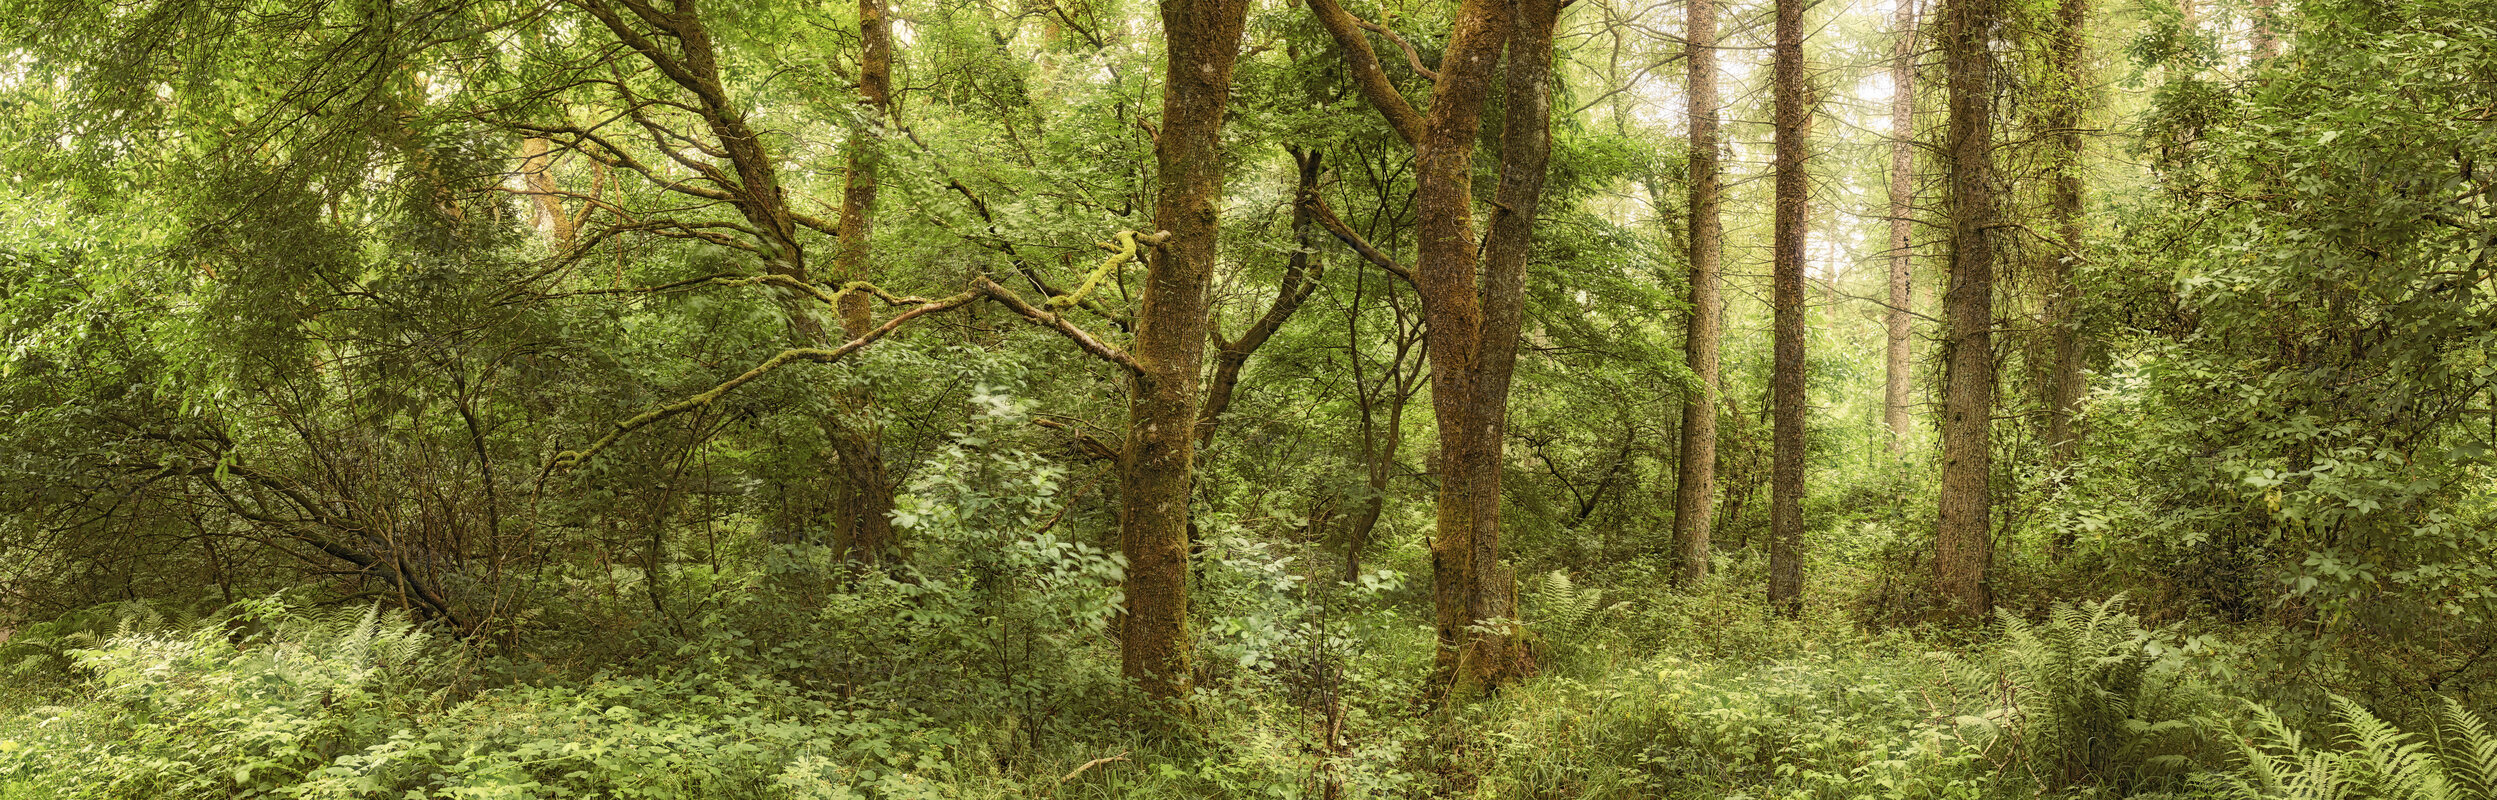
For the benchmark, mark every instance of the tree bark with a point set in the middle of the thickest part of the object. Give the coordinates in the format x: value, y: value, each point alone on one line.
x: 2065, y: 383
x: 1963, y: 548
x: 1698, y: 472
x: 2266, y: 35
x: 1896, y: 319
x: 864, y: 523
x: 1300, y: 279
x: 1473, y: 328
x: 536, y: 169
x: 1792, y: 221
x: 1202, y: 41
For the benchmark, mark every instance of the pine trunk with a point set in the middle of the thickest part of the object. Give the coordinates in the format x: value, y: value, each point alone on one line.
x: 2065, y: 383
x: 1896, y: 319
x: 1792, y: 221
x: 1697, y: 482
x: 1963, y: 544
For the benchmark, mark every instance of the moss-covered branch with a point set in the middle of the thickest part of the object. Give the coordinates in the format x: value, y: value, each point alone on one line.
x: 1081, y: 338
x: 820, y: 355
x: 1128, y: 248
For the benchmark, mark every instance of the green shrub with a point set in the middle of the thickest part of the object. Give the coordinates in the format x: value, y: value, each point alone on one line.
x: 206, y: 713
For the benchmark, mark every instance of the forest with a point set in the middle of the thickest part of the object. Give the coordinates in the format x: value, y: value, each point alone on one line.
x: 898, y: 399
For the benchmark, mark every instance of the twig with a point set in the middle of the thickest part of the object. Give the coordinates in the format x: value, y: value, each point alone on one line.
x: 1089, y: 765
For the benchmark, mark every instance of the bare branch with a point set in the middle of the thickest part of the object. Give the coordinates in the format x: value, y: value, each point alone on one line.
x: 1350, y: 238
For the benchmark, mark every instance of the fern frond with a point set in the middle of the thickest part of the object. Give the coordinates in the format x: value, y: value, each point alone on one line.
x: 2470, y: 752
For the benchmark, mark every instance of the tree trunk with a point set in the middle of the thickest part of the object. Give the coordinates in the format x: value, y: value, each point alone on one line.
x: 1794, y: 118
x: 1379, y: 441
x: 865, y: 511
x: 536, y: 169
x: 2266, y: 31
x: 1963, y: 547
x: 1902, y: 206
x: 2063, y: 120
x: 1202, y: 38
x: 1698, y: 471
x: 1472, y: 330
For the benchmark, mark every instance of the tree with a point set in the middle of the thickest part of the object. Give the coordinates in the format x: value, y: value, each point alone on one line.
x: 2062, y: 122
x: 1694, y: 494
x: 1963, y: 547
x: 1793, y: 218
x: 1896, y: 318
x: 1202, y: 44
x: 1473, y: 327
x: 864, y: 516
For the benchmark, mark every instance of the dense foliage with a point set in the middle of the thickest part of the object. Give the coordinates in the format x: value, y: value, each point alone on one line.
x: 458, y: 399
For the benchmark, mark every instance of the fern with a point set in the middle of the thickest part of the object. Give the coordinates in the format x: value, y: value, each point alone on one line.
x: 2082, y: 694
x: 2372, y: 758
x: 1566, y: 614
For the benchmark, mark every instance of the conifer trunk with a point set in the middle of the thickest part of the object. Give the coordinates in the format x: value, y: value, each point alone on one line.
x: 1792, y: 220
x: 1693, y: 496
x: 1963, y: 547
x: 1895, y: 319
x: 2063, y: 121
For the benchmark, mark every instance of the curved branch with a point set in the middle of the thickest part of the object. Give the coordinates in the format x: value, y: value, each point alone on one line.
x: 1351, y: 238
x: 1367, y: 74
x: 1087, y: 341
x: 1120, y: 255
x: 1412, y: 56
x: 572, y: 458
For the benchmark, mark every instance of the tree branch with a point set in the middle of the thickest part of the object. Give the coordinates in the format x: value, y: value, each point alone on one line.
x: 572, y: 458
x: 1367, y: 74
x: 1351, y: 238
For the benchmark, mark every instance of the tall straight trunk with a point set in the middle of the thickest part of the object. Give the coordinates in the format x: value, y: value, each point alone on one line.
x: 1525, y: 149
x: 1792, y: 221
x: 1895, y: 319
x: 1692, y: 500
x: 2063, y: 121
x: 1473, y: 329
x: 2266, y: 30
x: 1202, y: 40
x: 864, y: 513
x: 1963, y: 548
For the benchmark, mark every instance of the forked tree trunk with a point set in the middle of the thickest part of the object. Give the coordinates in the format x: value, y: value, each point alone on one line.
x: 1202, y: 40
x: 1896, y: 319
x: 1696, y: 486
x: 1300, y: 279
x: 1473, y: 328
x: 1792, y: 221
x: 1963, y: 548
